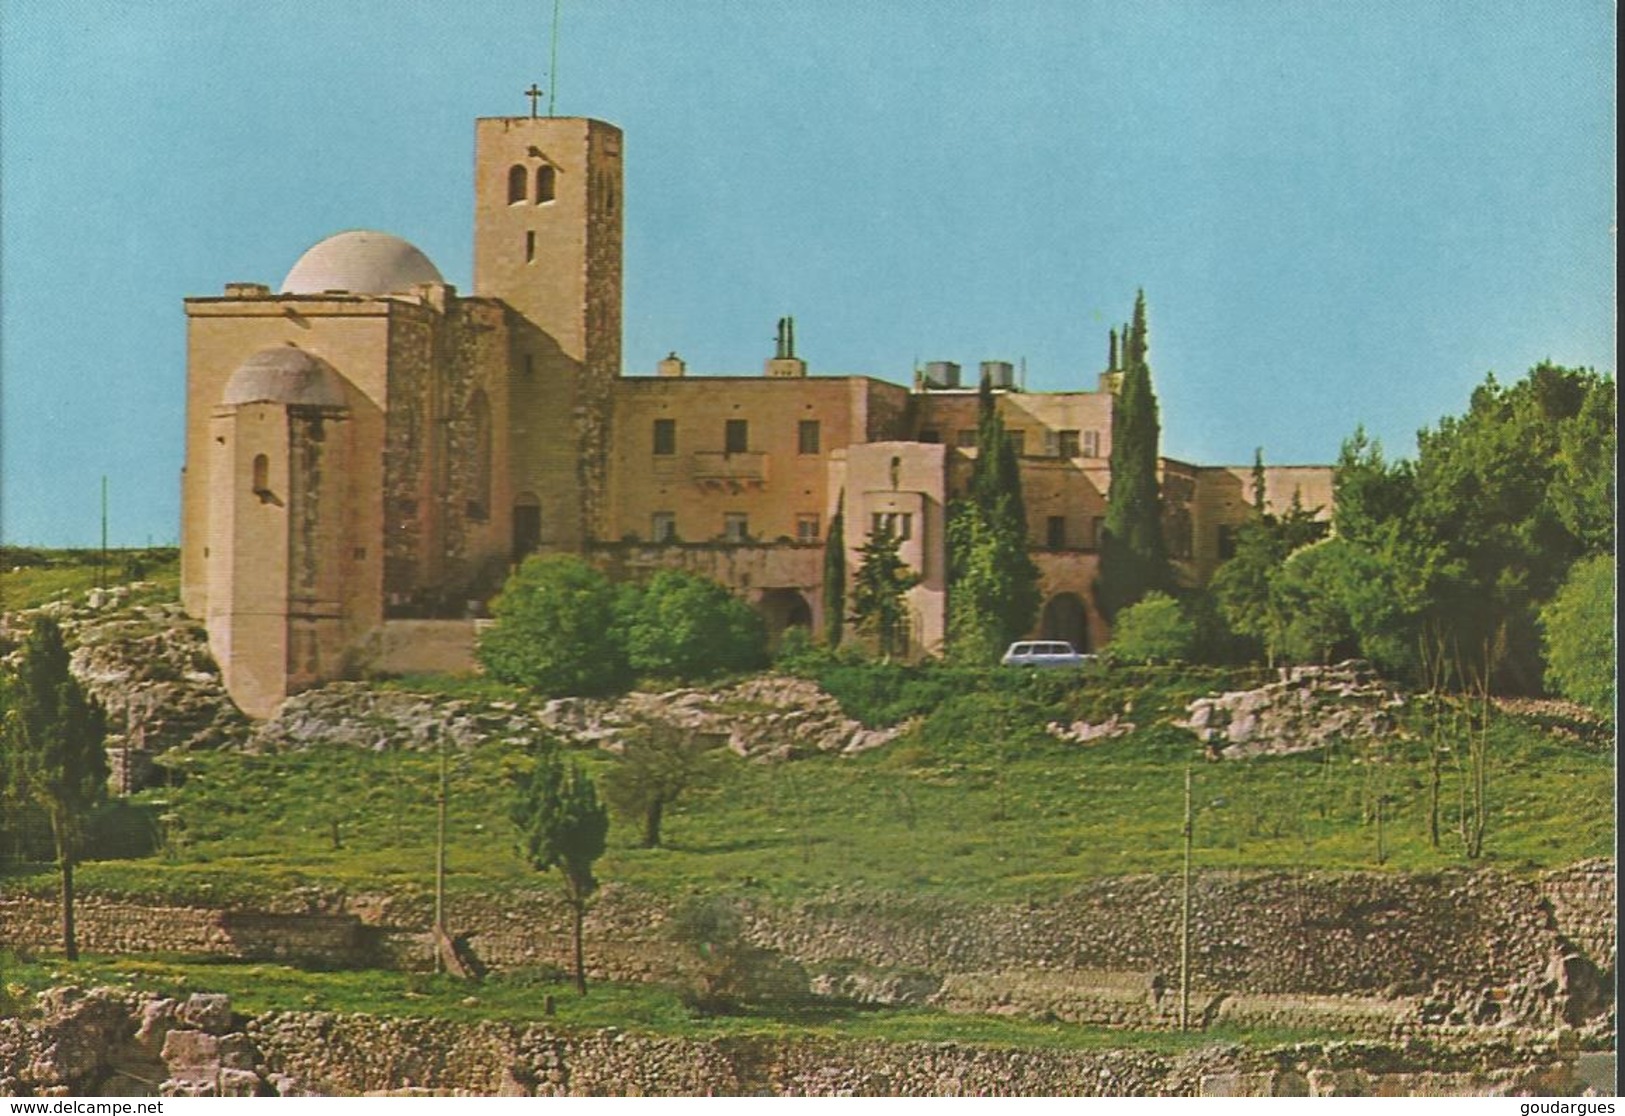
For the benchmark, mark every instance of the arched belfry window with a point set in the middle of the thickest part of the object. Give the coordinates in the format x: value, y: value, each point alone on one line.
x: 479, y: 497
x: 517, y: 181
x: 545, y: 184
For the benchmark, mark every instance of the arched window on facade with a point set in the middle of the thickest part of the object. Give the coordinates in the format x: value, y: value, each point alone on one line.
x: 516, y: 184
x: 262, y: 476
x: 546, y: 184
x: 479, y: 496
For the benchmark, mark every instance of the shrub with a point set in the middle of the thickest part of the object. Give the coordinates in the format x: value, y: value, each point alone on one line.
x: 1578, y: 629
x: 1155, y: 629
x: 555, y: 629
x: 727, y: 974
x: 681, y: 625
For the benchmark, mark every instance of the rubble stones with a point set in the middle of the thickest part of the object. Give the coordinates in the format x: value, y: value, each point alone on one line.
x: 1308, y: 707
x: 322, y: 1053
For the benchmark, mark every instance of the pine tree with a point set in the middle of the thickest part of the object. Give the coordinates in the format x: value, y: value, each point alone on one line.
x: 835, y: 574
x: 53, y: 735
x: 1134, y: 557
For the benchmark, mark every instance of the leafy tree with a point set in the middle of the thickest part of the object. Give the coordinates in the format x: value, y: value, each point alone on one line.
x: 878, y: 605
x: 993, y: 583
x: 1244, y: 586
x: 54, y: 736
x: 1479, y: 532
x: 681, y: 625
x: 562, y: 825
x: 1154, y: 629
x: 1133, y: 554
x: 835, y: 574
x: 555, y: 629
x: 658, y: 761
x: 1578, y: 626
x: 1309, y: 600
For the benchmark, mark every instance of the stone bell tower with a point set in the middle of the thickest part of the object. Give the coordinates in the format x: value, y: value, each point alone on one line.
x: 547, y: 242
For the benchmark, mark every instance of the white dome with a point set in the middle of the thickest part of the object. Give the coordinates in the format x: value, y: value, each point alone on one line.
x: 360, y: 262
x: 288, y: 376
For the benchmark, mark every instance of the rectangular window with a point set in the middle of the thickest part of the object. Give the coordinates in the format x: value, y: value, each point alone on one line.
x: 930, y: 437
x: 663, y: 527
x: 1227, y: 542
x: 1055, y: 532
x: 807, y: 436
x: 1018, y: 441
x: 807, y: 527
x: 1091, y: 443
x: 965, y: 439
x: 665, y: 437
x: 901, y: 524
x: 735, y: 527
x: 736, y: 436
x: 1066, y: 443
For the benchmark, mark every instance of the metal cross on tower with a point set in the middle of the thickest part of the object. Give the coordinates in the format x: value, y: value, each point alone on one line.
x: 535, y: 94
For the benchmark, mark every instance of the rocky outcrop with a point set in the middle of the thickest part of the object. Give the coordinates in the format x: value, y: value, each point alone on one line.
x: 115, y: 1043
x: 1308, y: 707
x: 149, y: 666
x: 360, y: 715
x: 770, y: 717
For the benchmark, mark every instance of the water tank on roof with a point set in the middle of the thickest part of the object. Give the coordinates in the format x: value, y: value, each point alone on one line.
x: 941, y: 374
x: 999, y: 373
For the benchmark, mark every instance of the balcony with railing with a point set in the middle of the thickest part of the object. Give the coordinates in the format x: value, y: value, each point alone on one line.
x: 732, y: 471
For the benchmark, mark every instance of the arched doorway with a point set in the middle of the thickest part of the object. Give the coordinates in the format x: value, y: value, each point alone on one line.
x: 783, y: 609
x: 1066, y: 617
x: 527, y: 525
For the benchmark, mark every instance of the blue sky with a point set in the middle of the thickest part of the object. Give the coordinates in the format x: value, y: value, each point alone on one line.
x: 1341, y: 213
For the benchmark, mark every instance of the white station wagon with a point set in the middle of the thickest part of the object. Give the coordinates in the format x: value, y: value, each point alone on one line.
x: 1049, y: 652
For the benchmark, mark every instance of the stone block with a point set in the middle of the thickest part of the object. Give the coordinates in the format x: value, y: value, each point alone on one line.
x: 207, y: 1011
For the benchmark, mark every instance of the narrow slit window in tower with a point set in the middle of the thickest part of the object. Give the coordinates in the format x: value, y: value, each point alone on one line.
x: 530, y: 247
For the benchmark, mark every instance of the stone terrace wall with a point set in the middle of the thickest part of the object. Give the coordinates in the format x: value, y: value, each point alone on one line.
x: 1360, y: 934
x: 105, y: 927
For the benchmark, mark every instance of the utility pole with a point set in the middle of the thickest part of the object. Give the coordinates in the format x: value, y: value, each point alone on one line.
x: 101, y: 569
x: 440, y: 867
x: 1185, y: 918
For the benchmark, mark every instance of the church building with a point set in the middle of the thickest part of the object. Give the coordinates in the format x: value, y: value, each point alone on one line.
x: 369, y: 451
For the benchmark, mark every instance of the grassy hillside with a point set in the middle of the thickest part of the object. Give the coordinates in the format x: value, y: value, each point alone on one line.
x: 30, y: 576
x: 977, y: 803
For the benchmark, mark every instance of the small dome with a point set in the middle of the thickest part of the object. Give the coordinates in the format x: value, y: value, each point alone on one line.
x: 288, y: 376
x: 360, y: 262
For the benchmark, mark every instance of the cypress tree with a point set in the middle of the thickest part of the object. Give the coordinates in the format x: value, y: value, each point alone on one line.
x: 835, y: 574
x: 1134, y: 556
x: 1258, y: 481
x: 993, y: 584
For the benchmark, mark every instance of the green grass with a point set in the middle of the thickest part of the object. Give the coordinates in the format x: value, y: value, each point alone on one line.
x: 956, y: 809
x: 518, y: 997
x: 31, y: 577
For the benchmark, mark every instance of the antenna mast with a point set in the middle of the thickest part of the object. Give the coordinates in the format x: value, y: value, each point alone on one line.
x: 553, y: 63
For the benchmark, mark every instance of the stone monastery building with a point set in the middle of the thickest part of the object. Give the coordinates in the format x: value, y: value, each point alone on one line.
x: 368, y: 451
